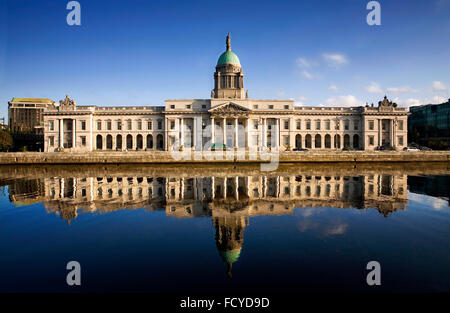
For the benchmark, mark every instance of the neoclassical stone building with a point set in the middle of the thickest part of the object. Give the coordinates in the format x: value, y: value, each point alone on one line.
x: 229, y: 117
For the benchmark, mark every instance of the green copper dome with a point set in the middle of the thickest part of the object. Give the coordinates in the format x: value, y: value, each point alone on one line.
x: 229, y: 57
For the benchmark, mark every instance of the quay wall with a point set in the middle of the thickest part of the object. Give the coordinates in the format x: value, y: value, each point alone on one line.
x: 165, y: 157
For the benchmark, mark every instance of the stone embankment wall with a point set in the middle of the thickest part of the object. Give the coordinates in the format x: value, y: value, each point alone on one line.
x: 158, y: 157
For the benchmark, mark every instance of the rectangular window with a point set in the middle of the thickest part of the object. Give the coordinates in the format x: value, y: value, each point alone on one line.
x: 108, y: 125
x: 286, y: 141
x: 188, y: 106
x: 286, y: 124
x: 52, y: 125
x: 400, y: 140
x: 298, y: 125
x: 255, y: 106
x: 355, y: 125
x: 83, y: 125
x: 400, y: 125
x: 139, y: 125
x: 346, y: 125
x: 159, y: 124
x: 308, y: 125
x: 149, y: 125
x: 371, y: 141
x: 119, y: 125
x: 129, y: 124
x: 286, y: 107
x: 317, y: 124
x: 327, y: 125
x: 270, y: 106
x: 99, y: 125
x: 83, y: 141
x: 255, y: 125
x: 371, y: 125
x: 172, y: 124
x: 51, y: 141
x: 172, y: 106
x: 203, y: 106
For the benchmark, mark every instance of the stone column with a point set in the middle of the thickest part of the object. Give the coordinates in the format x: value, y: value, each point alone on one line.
x: 278, y: 133
x: 213, y: 126
x: 61, y: 133
x: 194, y: 139
x: 213, y: 189
x: 247, y: 134
x: 91, y: 143
x: 236, y: 135
x: 182, y: 131
x: 261, y: 132
x: 392, y: 133
x: 265, y: 132
x: 74, y: 136
x: 224, y: 131
x: 379, y: 132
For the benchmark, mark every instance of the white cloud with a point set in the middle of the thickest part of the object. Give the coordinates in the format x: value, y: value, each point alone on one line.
x: 407, y: 102
x: 439, y: 86
x: 307, y: 75
x: 300, y: 101
x: 403, y: 89
x: 333, y: 88
x: 303, y: 63
x: 373, y: 88
x: 335, y: 59
x: 415, y: 102
x: 344, y: 101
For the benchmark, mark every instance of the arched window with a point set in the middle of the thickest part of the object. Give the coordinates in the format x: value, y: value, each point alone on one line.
x: 346, y: 141
x: 129, y: 142
x: 356, y: 141
x: 119, y: 142
x: 109, y: 143
x: 99, y: 144
x: 139, y: 142
x: 298, y: 141
x: 160, y: 142
x: 327, y: 141
x: 308, y: 141
x: 337, y: 141
x: 149, y: 141
x: 318, y: 141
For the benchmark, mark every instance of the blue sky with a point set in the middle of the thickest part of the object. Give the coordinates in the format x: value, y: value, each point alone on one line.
x: 141, y: 52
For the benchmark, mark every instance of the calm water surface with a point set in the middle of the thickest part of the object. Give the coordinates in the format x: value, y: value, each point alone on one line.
x: 217, y: 229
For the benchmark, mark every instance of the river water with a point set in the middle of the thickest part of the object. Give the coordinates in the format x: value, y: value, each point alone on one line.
x: 214, y: 229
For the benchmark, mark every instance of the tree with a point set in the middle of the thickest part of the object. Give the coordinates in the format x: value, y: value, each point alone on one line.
x: 5, y: 140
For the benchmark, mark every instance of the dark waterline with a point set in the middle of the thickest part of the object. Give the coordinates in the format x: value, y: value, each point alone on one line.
x: 175, y: 229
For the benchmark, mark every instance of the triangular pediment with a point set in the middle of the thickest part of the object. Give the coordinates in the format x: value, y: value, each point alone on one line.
x: 229, y: 107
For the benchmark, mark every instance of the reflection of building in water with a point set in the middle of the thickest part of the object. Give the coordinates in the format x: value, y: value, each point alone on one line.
x: 435, y: 185
x: 25, y: 192
x: 202, y: 196
x: 230, y: 201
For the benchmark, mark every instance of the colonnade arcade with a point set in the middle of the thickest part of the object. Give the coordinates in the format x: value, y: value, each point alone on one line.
x: 129, y: 142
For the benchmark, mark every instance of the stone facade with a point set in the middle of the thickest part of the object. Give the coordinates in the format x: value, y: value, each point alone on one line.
x: 229, y: 117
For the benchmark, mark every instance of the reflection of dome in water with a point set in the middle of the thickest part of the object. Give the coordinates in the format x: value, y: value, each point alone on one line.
x: 229, y: 238
x: 230, y: 256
